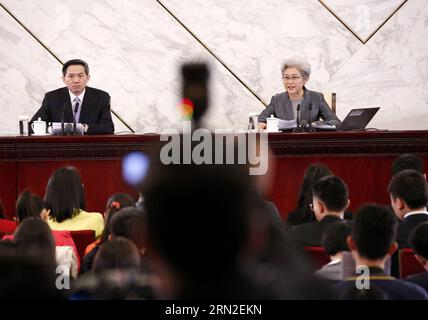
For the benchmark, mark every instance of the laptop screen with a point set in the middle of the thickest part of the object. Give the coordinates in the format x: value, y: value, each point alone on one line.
x: 358, y: 119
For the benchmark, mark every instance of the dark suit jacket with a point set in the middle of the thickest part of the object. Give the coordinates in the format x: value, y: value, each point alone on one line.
x: 406, y: 226
x: 393, y: 289
x: 419, y: 279
x: 95, y: 109
x: 280, y: 106
x: 309, y: 234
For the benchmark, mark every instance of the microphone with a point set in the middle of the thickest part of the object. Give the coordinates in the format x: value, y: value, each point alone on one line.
x: 62, y: 119
x: 76, y: 107
x: 298, y: 128
x: 310, y: 128
x: 298, y: 116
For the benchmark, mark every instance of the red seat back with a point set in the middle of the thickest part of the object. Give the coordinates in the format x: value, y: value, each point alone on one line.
x: 408, y: 263
x: 317, y: 256
x: 82, y: 238
x: 7, y: 226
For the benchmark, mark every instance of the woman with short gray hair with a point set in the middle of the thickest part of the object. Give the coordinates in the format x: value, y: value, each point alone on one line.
x: 297, y: 98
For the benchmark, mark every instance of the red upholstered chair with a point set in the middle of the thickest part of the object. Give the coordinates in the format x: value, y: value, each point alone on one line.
x: 317, y: 256
x: 7, y: 226
x: 82, y: 238
x: 408, y: 263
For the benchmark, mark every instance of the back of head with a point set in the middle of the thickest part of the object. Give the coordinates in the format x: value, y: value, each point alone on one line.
x: 29, y: 205
x: 333, y: 192
x: 115, y: 203
x: 24, y: 275
x: 418, y: 240
x: 34, y: 236
x: 118, y: 253
x: 374, y: 230
x: 64, y: 194
x: 334, y: 237
x: 407, y: 162
x: 128, y: 223
x: 313, y: 173
x: 198, y: 216
x: 411, y: 187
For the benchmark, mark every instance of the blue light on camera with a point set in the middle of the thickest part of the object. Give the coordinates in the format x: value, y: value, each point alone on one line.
x: 134, y: 167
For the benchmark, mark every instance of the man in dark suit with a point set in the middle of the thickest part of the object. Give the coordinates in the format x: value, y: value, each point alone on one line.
x: 77, y: 102
x: 409, y: 197
x: 371, y: 243
x: 330, y: 199
x: 418, y: 240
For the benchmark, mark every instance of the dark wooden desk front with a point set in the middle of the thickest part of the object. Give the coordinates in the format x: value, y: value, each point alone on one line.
x: 361, y: 159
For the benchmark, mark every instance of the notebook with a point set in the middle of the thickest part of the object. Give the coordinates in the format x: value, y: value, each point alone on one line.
x: 357, y: 119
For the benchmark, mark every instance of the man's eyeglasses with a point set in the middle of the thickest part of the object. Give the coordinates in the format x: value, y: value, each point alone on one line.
x: 294, y: 78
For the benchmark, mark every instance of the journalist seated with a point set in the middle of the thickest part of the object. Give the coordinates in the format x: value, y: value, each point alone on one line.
x: 77, y: 103
x: 313, y: 107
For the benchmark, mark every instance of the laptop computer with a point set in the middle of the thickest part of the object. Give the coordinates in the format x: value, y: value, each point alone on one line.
x: 357, y: 119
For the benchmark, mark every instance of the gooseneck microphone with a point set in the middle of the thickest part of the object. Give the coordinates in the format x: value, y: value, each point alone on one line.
x: 298, y: 116
x: 310, y: 129
x: 76, y: 108
x: 62, y: 119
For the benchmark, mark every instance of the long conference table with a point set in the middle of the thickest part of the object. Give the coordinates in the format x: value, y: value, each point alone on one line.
x: 361, y: 159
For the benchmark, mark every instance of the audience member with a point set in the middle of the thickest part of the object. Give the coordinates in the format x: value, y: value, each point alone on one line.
x: 303, y: 212
x: 334, y: 242
x: 29, y: 205
x: 65, y: 198
x: 118, y: 253
x: 330, y: 199
x: 115, y: 203
x: 24, y: 276
x: 418, y: 240
x: 407, y: 162
x: 371, y: 243
x: 409, y: 197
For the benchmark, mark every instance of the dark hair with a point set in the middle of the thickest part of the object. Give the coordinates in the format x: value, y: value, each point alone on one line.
x: 115, y: 203
x: 74, y: 62
x: 334, y: 237
x: 29, y: 205
x: 333, y: 192
x: 118, y: 253
x: 128, y: 223
x: 374, y: 230
x: 418, y: 240
x: 34, y: 236
x: 64, y: 194
x: 407, y: 162
x: 303, y: 212
x: 24, y: 275
x: 410, y: 186
x: 198, y: 216
x: 313, y: 173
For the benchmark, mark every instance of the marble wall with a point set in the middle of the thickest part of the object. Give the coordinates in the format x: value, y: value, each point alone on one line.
x: 135, y: 47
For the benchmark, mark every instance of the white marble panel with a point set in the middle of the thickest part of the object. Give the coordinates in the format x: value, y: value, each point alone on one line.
x: 26, y: 70
x: 366, y: 81
x: 134, y: 49
x: 363, y: 16
x: 402, y: 45
x: 255, y: 41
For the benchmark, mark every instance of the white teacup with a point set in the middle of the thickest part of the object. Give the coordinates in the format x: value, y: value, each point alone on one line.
x: 39, y: 127
x: 272, y: 124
